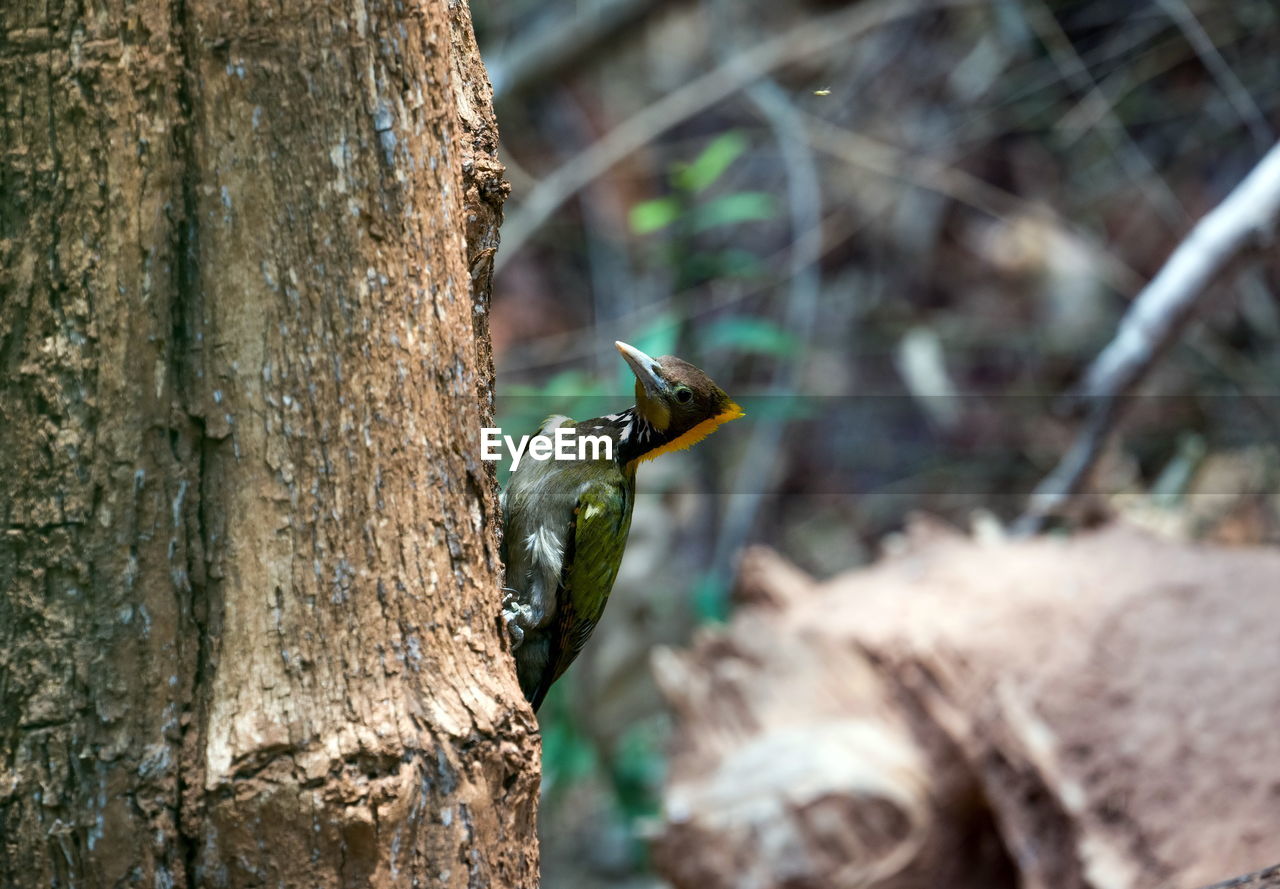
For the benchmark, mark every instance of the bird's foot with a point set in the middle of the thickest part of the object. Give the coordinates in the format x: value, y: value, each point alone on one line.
x: 517, y: 617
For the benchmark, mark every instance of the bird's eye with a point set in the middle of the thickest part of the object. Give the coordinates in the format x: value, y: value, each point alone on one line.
x: 684, y: 395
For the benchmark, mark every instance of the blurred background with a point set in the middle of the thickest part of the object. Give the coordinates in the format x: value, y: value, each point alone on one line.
x: 896, y: 233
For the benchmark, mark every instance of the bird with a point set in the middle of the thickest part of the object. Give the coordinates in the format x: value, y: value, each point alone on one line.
x: 565, y: 522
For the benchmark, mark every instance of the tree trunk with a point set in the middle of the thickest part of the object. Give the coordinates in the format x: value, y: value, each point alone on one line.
x: 248, y: 572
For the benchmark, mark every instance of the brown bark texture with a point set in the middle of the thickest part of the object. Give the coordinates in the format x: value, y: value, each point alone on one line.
x: 1092, y: 713
x: 248, y: 567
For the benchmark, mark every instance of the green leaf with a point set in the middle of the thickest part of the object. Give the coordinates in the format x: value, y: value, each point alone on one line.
x: 732, y: 209
x: 709, y: 166
x: 650, y: 216
x: 755, y: 335
x: 738, y: 263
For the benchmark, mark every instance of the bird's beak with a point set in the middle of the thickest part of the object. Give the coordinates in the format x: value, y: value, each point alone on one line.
x: 645, y: 369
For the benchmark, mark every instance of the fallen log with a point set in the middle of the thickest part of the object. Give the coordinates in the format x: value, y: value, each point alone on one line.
x: 1097, y: 712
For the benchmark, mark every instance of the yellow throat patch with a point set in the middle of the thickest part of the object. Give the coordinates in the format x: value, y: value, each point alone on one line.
x: 694, y: 435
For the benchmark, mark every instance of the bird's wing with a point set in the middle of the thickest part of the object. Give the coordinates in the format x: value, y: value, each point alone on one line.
x: 533, y: 541
x: 594, y: 545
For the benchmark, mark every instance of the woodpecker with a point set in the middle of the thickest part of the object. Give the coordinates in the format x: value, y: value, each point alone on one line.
x: 565, y: 523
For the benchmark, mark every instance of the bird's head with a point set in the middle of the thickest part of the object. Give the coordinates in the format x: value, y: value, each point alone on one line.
x: 677, y: 399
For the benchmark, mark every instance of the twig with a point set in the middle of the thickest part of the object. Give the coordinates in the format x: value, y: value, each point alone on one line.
x: 554, y: 49
x: 557, y: 348
x: 952, y: 182
x: 817, y: 36
x: 934, y: 174
x: 1268, y: 878
x: 1156, y: 315
x: 1153, y: 322
x: 804, y: 203
x: 1235, y: 91
x: 1076, y: 73
x: 613, y: 285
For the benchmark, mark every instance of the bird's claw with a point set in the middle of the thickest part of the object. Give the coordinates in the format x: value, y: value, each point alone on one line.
x: 517, y: 617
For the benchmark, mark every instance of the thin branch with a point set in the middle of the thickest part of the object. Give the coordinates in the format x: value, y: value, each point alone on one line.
x: 1076, y: 73
x: 1246, y: 216
x: 805, y: 206
x: 937, y: 176
x: 1243, y: 222
x: 1239, y: 97
x: 817, y: 36
x: 555, y: 349
x: 553, y: 49
x: 931, y: 173
x: 1269, y: 878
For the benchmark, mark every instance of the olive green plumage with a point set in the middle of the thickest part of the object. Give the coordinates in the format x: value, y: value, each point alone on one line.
x: 565, y: 523
x: 591, y: 503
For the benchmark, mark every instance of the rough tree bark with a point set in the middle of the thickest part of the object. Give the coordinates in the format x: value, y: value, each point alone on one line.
x: 248, y: 573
